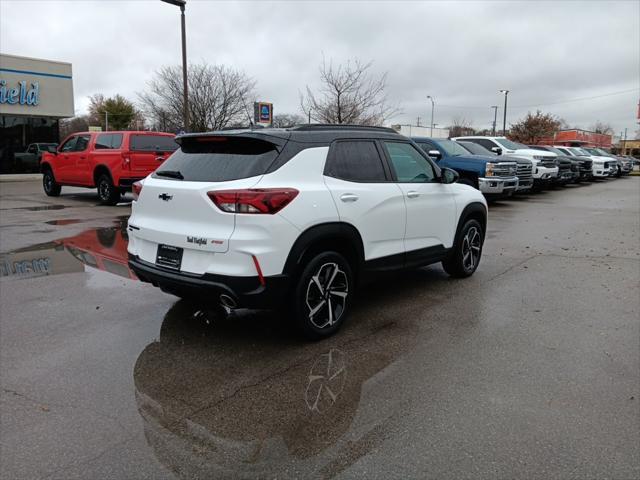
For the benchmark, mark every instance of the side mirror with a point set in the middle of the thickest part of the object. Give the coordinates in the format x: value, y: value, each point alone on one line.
x: 449, y: 175
x: 496, y: 150
x: 435, y: 154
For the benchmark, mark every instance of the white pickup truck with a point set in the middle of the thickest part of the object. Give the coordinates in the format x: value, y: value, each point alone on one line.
x: 544, y: 163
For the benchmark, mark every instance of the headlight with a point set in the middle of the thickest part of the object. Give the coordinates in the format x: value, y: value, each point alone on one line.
x: 489, y: 169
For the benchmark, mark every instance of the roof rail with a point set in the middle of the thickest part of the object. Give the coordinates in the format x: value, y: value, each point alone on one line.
x: 338, y: 126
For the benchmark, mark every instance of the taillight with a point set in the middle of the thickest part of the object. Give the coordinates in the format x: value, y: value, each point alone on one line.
x: 136, y: 188
x: 253, y: 200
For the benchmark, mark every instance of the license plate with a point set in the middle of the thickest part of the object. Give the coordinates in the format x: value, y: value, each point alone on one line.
x: 169, y: 256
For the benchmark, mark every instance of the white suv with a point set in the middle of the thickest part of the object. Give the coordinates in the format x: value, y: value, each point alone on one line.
x: 271, y: 217
x: 545, y: 167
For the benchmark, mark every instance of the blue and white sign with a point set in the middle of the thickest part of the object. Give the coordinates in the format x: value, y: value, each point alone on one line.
x: 263, y: 113
x: 24, y: 93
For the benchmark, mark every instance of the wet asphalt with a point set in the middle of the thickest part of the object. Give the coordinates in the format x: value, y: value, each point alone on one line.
x: 528, y: 369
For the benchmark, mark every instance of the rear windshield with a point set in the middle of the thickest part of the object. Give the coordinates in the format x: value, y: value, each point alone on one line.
x: 152, y: 143
x: 219, y: 159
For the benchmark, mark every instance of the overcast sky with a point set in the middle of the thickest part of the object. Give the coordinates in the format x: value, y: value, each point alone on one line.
x: 547, y: 53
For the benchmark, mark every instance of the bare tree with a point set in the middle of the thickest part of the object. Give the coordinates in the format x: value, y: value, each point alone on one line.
x: 348, y: 94
x: 283, y: 120
x: 460, y: 127
x: 219, y: 96
x: 72, y: 125
x: 602, y: 127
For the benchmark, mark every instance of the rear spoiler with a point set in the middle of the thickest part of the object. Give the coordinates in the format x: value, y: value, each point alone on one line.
x: 278, y: 138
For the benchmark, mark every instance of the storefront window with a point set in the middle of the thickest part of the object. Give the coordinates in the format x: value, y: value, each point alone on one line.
x: 16, y: 134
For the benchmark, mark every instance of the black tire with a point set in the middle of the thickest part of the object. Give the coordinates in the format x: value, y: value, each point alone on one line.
x: 468, y: 242
x: 331, y: 305
x: 107, y: 191
x: 49, y: 184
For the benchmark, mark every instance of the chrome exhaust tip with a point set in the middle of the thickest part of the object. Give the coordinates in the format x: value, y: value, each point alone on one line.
x: 227, y: 302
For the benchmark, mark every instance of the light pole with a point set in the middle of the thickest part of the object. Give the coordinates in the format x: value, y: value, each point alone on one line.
x: 185, y: 112
x: 504, y: 121
x: 495, y: 119
x: 432, y: 107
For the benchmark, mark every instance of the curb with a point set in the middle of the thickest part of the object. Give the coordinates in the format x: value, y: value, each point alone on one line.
x: 20, y: 177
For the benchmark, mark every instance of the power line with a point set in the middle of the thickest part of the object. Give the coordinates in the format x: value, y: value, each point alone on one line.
x: 621, y: 92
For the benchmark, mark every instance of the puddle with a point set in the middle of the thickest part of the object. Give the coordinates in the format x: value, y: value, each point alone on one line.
x: 40, y: 208
x: 66, y: 221
x: 99, y: 248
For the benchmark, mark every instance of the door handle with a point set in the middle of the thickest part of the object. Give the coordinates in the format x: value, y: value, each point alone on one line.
x: 348, y: 197
x: 413, y: 194
x: 160, y: 159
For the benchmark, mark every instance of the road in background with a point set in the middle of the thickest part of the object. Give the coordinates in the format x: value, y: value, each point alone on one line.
x: 530, y: 368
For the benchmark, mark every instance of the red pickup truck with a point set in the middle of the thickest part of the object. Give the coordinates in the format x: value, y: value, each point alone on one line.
x: 108, y: 161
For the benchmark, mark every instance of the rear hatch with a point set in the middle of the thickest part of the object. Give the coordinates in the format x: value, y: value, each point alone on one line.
x: 175, y: 207
x: 147, y: 151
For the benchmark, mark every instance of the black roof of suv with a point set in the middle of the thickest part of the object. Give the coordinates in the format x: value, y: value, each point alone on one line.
x: 312, y: 133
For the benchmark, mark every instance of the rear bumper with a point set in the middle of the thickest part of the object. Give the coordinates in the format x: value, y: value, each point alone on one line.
x: 492, y: 186
x: 247, y: 292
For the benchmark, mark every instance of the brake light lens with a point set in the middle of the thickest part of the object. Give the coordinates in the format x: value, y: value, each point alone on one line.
x: 136, y: 188
x: 253, y: 200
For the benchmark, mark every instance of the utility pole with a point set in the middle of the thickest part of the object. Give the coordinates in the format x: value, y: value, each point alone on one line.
x: 624, y: 143
x: 106, y: 121
x: 504, y: 121
x: 495, y: 119
x: 418, y: 121
x: 432, y: 108
x: 185, y: 86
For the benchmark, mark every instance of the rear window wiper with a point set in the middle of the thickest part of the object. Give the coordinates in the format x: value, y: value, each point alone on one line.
x: 170, y: 174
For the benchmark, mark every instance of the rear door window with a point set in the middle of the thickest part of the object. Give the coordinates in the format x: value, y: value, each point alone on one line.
x: 219, y: 159
x: 109, y: 141
x: 152, y: 143
x: 355, y: 161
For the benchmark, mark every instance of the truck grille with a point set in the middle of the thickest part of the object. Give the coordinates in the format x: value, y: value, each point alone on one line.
x: 524, y: 171
x: 548, y: 163
x: 586, y: 165
x: 505, y: 170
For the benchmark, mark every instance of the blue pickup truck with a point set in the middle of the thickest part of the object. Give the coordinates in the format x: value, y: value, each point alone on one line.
x: 490, y: 175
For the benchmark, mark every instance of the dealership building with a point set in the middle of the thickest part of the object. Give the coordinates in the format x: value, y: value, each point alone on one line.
x: 34, y: 95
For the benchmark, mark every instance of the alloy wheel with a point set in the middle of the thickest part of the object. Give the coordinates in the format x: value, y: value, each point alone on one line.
x: 326, y: 295
x: 471, y: 244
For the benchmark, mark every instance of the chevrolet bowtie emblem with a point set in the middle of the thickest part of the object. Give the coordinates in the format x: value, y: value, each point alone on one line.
x: 165, y: 197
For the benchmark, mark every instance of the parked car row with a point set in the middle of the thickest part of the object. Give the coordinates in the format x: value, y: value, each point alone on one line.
x: 499, y: 167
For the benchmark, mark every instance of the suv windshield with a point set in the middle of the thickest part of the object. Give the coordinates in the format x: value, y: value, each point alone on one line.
x: 508, y: 144
x: 218, y: 159
x: 452, y: 148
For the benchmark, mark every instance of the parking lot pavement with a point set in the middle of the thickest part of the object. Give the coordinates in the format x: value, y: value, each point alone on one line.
x: 528, y: 369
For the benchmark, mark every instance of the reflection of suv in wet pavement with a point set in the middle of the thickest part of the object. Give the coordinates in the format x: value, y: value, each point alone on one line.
x: 271, y: 217
x: 233, y: 398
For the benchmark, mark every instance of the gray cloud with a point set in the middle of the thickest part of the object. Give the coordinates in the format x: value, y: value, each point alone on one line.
x: 462, y: 53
